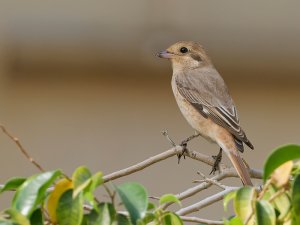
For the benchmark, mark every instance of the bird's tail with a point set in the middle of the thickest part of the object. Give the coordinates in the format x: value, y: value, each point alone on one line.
x: 240, y: 167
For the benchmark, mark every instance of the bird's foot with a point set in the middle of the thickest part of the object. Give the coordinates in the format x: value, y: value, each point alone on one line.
x: 216, y: 166
x: 183, y: 152
x: 184, y: 145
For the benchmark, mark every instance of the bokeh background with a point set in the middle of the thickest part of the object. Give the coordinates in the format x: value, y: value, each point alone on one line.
x: 80, y: 83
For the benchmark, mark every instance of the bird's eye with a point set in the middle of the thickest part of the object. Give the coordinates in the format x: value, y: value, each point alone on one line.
x: 184, y: 50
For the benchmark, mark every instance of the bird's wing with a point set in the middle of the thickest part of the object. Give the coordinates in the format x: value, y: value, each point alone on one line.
x: 207, y: 92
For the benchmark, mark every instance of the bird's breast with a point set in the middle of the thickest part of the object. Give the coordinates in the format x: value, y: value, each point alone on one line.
x: 204, y: 126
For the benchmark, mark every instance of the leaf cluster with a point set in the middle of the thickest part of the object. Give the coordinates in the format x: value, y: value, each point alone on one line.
x: 52, y: 198
x: 278, y: 201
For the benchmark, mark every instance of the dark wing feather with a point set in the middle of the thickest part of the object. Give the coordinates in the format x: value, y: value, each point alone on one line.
x: 210, y: 97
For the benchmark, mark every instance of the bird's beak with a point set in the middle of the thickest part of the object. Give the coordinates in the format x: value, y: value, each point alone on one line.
x: 165, y: 54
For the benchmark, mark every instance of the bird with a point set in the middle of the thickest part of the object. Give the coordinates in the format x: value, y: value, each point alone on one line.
x: 204, y: 100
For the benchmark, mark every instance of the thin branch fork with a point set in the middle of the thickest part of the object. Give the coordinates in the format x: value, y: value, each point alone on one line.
x: 205, y: 202
x: 21, y: 148
x: 226, y: 173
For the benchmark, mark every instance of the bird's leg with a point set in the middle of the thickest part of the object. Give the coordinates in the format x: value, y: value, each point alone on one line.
x: 184, y: 143
x: 218, y: 159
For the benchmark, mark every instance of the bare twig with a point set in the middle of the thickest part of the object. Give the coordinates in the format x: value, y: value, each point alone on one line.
x: 206, y: 179
x: 165, y: 133
x: 278, y: 193
x: 21, y: 148
x: 154, y: 197
x: 265, y: 188
x: 112, y: 195
x: 205, y: 202
x: 200, y: 220
x: 185, y: 141
x: 191, y: 138
x: 229, y: 172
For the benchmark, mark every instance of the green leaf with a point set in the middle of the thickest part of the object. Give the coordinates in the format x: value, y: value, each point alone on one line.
x: 123, y: 220
x: 17, y: 217
x: 228, y: 198
x: 296, y: 168
x: 6, y: 222
x: 150, y: 206
x: 86, y: 183
x: 81, y: 179
x: 32, y: 192
x: 265, y: 213
x: 37, y: 217
x: 281, y: 202
x: 54, y: 196
x: 149, y: 218
x: 235, y: 221
x: 106, y: 215
x: 95, y: 181
x: 171, y: 219
x: 296, y: 199
x: 169, y: 198
x: 12, y: 184
x: 69, y: 210
x: 280, y: 156
x: 243, y: 202
x: 135, y: 200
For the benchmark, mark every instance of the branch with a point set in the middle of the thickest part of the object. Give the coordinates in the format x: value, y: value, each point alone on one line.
x: 200, y: 220
x: 184, y: 218
x: 21, y: 148
x: 228, y: 172
x: 205, y: 202
x: 157, y: 158
x: 209, y: 180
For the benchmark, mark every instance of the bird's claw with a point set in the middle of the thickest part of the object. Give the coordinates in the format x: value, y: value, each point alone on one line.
x: 216, y: 166
x: 184, y: 150
x: 184, y: 145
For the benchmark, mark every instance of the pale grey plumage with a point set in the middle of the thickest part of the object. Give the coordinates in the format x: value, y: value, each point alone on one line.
x: 204, y: 100
x: 206, y: 90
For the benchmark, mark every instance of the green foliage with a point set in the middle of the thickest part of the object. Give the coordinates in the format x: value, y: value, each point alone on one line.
x: 33, y: 191
x: 243, y: 202
x: 296, y: 199
x: 278, y: 202
x: 135, y: 199
x: 171, y: 218
x: 12, y: 184
x: 35, y: 202
x: 169, y: 198
x: 69, y: 210
x: 54, y: 198
x: 105, y: 215
x: 280, y: 156
x: 265, y: 213
x: 37, y: 217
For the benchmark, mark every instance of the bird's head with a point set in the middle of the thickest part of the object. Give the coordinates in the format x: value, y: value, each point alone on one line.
x: 186, y: 54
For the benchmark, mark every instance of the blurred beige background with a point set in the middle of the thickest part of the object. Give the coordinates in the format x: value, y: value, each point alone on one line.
x: 80, y: 83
